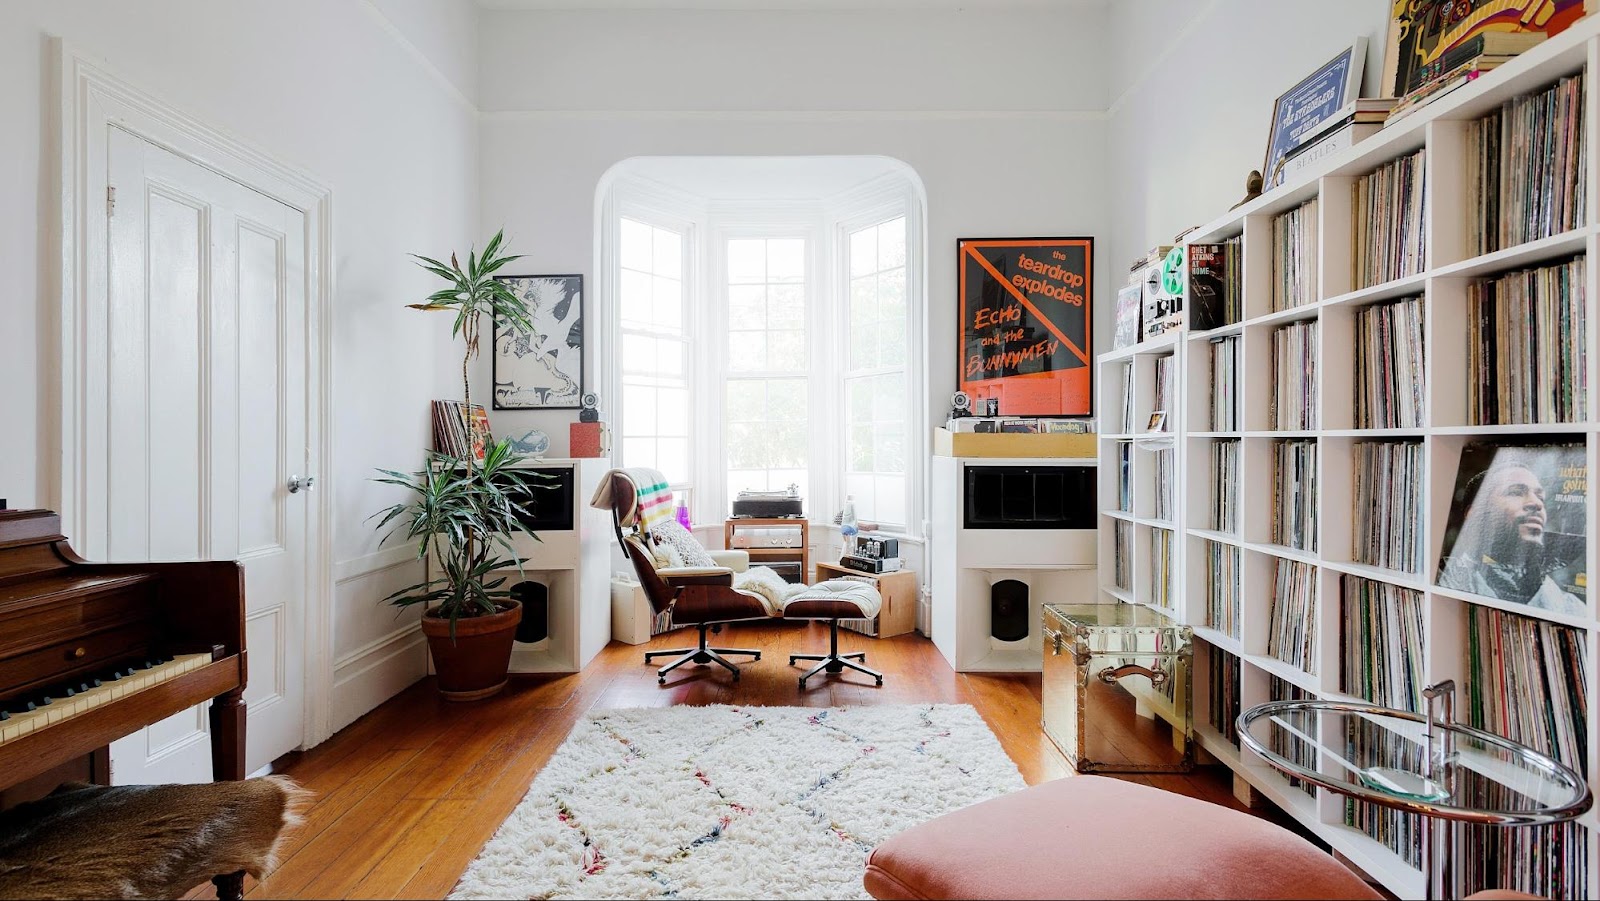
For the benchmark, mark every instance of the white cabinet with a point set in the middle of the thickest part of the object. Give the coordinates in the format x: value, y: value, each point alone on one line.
x: 973, y: 548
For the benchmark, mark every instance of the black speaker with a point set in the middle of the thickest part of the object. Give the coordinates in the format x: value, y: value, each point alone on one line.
x: 535, y: 598
x: 1008, y: 610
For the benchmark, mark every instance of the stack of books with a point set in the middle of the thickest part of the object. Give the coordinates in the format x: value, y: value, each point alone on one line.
x: 1462, y: 64
x: 1354, y: 123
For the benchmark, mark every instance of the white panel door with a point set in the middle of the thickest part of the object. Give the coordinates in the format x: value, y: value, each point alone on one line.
x: 202, y: 391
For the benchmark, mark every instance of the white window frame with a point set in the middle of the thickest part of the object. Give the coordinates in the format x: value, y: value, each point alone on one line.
x: 826, y: 223
x: 873, y: 204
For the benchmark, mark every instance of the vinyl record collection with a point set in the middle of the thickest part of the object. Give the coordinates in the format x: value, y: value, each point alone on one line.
x: 1399, y: 832
x: 1224, y: 712
x: 451, y: 436
x: 1390, y: 222
x: 1526, y: 169
x: 1125, y: 476
x: 1225, y: 483
x: 1525, y: 334
x: 1293, y: 638
x: 1389, y: 365
x: 1294, y: 512
x: 1527, y: 681
x: 1162, y: 561
x: 1294, y: 361
x: 1222, y: 588
x: 1388, y: 497
x: 1165, y: 391
x: 1380, y: 643
x: 1296, y: 749
x: 1121, y: 536
x: 1225, y: 384
x: 1543, y: 861
x: 1294, y: 257
x: 1165, y: 487
x: 1127, y: 399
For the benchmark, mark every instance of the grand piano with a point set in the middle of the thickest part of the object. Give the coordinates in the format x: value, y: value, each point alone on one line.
x: 91, y: 652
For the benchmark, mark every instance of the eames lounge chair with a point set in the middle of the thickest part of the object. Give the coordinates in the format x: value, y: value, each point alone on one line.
x: 700, y: 596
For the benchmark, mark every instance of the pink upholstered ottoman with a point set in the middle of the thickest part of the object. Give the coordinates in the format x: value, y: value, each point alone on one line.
x: 1091, y: 837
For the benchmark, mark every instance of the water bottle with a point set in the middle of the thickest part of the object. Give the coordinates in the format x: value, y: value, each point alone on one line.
x: 847, y: 524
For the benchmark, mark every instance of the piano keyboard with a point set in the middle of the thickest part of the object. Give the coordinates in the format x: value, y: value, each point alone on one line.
x: 24, y: 715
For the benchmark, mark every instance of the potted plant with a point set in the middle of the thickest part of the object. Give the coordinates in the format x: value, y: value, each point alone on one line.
x: 463, y: 512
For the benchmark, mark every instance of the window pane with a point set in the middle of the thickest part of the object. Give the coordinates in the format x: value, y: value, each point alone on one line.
x: 669, y: 358
x: 747, y: 399
x: 786, y: 306
x: 638, y: 410
x: 672, y: 458
x: 863, y: 252
x: 747, y: 261
x: 859, y: 486
x: 859, y: 449
x: 892, y: 297
x: 889, y: 453
x: 747, y: 445
x: 889, y: 500
x: 667, y: 313
x: 780, y: 479
x: 638, y: 354
x: 786, y: 260
x: 858, y: 400
x: 888, y: 400
x: 672, y: 411
x: 637, y: 252
x: 747, y: 306
x: 747, y: 351
x: 786, y: 352
x: 786, y: 398
x: 745, y: 480
x: 668, y: 254
x: 639, y: 452
x: 636, y: 298
x: 786, y: 444
x: 892, y: 243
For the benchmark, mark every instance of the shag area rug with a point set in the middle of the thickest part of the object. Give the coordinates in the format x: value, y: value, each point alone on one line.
x: 735, y: 802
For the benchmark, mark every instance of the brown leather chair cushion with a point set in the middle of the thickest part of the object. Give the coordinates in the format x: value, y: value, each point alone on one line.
x: 1092, y: 837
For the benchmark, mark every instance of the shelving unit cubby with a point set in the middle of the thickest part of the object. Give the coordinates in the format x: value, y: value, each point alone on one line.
x: 1440, y: 132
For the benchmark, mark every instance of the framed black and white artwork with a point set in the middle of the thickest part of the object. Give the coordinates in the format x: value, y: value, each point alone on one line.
x: 542, y: 369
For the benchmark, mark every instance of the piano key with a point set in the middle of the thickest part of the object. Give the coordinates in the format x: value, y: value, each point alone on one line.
x: 45, y: 711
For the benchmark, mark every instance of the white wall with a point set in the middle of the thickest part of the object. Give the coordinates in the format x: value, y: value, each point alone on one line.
x: 999, y: 111
x: 1190, y: 108
x: 335, y: 88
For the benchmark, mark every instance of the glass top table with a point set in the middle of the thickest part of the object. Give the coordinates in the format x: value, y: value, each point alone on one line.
x: 1406, y: 761
x: 1376, y: 754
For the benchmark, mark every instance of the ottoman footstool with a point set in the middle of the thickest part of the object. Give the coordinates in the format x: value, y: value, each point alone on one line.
x: 834, y: 600
x: 1093, y: 837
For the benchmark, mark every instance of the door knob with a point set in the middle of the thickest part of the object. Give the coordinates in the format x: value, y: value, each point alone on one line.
x: 296, y: 483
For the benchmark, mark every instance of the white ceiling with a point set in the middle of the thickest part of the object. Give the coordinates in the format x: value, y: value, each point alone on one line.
x: 799, y: 5
x: 761, y: 178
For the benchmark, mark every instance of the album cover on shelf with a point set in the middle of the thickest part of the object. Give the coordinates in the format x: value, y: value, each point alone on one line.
x: 1516, y: 530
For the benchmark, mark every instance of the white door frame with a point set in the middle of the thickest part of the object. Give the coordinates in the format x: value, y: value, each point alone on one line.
x: 90, y: 98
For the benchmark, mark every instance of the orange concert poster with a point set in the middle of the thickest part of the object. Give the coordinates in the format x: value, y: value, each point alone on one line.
x: 1026, y: 314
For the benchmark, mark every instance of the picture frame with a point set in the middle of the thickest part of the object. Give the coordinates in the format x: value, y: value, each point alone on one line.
x: 1306, y: 110
x: 1158, y: 422
x: 1025, y: 332
x: 542, y: 369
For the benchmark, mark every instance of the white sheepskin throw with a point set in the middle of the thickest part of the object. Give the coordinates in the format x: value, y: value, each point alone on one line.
x: 765, y: 581
x: 735, y: 802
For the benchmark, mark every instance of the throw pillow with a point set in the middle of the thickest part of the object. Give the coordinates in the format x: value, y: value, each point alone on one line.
x: 672, y: 534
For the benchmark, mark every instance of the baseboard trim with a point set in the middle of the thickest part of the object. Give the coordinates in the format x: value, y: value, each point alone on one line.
x: 376, y: 672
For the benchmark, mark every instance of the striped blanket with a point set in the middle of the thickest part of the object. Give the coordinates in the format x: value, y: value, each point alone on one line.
x: 654, y: 505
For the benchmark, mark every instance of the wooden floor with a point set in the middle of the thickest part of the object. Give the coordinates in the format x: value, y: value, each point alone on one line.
x: 408, y: 794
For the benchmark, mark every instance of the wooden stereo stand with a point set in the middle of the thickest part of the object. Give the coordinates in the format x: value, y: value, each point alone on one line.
x: 899, y: 589
x: 760, y: 556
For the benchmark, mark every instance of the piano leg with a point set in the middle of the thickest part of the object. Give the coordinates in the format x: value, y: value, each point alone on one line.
x: 227, y: 738
x: 229, y: 887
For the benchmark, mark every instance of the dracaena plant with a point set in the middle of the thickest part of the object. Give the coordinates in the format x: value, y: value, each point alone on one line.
x: 466, y: 517
x: 473, y: 293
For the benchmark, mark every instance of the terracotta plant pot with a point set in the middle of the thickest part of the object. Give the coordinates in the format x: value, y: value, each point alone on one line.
x: 474, y: 665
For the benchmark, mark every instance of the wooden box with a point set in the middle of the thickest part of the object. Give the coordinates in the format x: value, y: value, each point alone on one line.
x: 1014, y: 444
x: 899, y: 590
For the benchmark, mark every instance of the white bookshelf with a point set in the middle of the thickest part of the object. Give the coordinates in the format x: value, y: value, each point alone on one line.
x: 1439, y: 129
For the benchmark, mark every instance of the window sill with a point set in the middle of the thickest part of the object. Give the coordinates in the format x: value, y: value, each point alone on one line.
x: 903, y: 537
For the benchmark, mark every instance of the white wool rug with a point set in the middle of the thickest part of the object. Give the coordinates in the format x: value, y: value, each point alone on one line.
x: 735, y: 802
